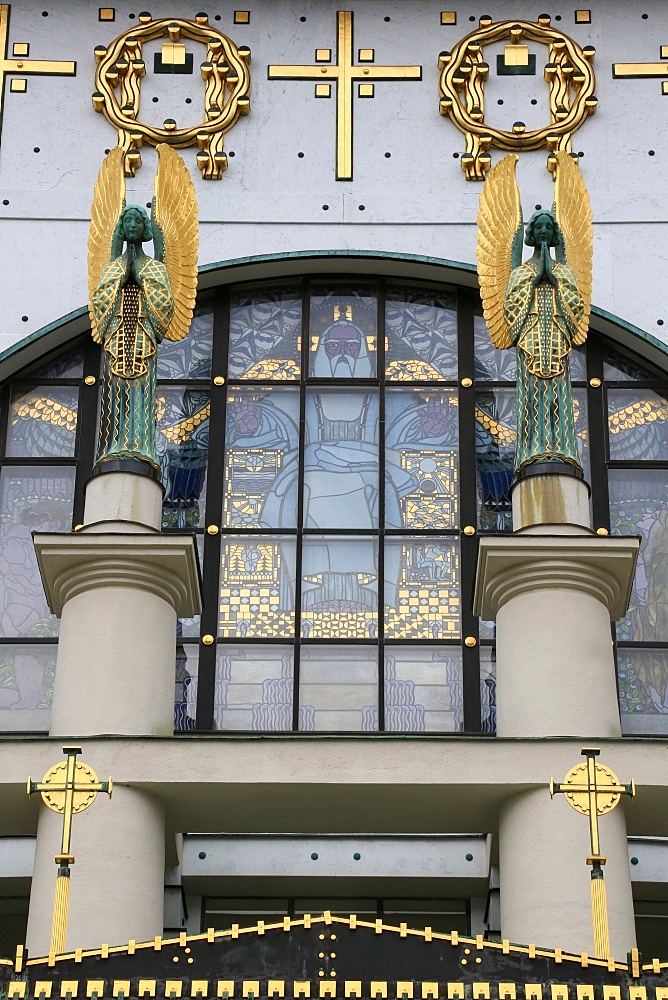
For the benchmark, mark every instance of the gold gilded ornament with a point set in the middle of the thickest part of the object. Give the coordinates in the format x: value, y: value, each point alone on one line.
x: 568, y: 72
x: 120, y: 68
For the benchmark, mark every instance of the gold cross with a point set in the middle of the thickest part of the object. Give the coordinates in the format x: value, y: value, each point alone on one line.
x: 68, y: 788
x: 344, y: 73
x: 635, y: 71
x: 45, y: 67
x: 594, y: 790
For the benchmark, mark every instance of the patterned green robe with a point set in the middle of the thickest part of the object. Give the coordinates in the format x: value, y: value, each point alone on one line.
x: 131, y: 321
x: 543, y: 321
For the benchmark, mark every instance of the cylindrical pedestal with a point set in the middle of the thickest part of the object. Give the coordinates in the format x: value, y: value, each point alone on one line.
x: 545, y: 882
x: 117, y: 879
x: 551, y: 502
x: 123, y: 497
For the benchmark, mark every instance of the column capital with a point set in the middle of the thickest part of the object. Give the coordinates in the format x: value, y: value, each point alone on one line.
x: 163, y: 565
x: 510, y: 566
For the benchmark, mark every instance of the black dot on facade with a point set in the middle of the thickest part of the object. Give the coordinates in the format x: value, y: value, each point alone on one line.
x: 45, y: 13
x: 557, y: 17
x: 455, y: 156
x: 538, y: 207
x: 534, y: 101
x: 651, y: 152
x: 500, y: 101
x: 24, y: 319
x: 361, y: 207
x: 325, y: 208
x: 155, y: 100
x: 5, y: 201
x: 107, y: 151
x: 231, y: 153
x: 217, y: 17
x: 388, y: 155
x: 659, y: 322
x: 645, y: 16
x: 387, y: 18
x: 300, y: 155
x: 35, y: 149
x: 580, y: 155
x: 302, y: 19
x: 131, y: 16
x: 148, y: 204
x: 189, y: 100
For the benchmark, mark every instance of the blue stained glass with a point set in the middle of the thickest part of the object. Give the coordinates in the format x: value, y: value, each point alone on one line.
x: 339, y: 588
x: 618, y: 368
x: 495, y: 439
x: 182, y: 445
x: 261, y: 461
x: 421, y: 331
x: 488, y: 689
x: 338, y: 689
x: 257, y: 587
x: 190, y: 357
x: 341, y: 459
x: 494, y: 365
x: 342, y: 334
x: 643, y: 690
x: 27, y: 674
x: 68, y: 364
x: 43, y: 422
x: 421, y: 458
x: 637, y: 424
x: 423, y: 689
x: 422, y: 588
x: 265, y: 335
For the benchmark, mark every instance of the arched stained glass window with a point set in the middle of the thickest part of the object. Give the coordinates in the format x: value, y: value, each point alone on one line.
x: 336, y: 446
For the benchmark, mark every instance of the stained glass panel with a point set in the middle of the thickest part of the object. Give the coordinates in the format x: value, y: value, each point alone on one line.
x: 643, y: 690
x: 254, y: 688
x: 421, y: 332
x: 185, y: 686
x: 422, y: 589
x: 338, y: 689
x: 421, y: 459
x: 618, y: 368
x: 341, y: 459
x: 43, y: 422
x: 342, y: 339
x: 257, y: 587
x: 26, y: 686
x: 639, y: 506
x: 182, y: 445
x: 265, y: 334
x: 488, y: 689
x: 637, y: 425
x: 495, y: 439
x: 339, y: 588
x: 491, y: 364
x: 69, y: 364
x: 190, y: 357
x: 189, y: 627
x: 423, y: 689
x: 31, y: 499
x: 261, y: 460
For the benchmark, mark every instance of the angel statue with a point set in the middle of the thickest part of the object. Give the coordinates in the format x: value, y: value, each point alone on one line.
x: 136, y: 300
x: 540, y: 306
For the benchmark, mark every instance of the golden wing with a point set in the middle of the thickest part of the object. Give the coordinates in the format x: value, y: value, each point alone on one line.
x: 499, y: 244
x: 108, y: 203
x: 175, y: 215
x: 573, y: 210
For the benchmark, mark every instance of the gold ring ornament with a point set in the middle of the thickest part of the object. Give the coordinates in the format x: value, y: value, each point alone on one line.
x: 120, y: 68
x: 569, y: 75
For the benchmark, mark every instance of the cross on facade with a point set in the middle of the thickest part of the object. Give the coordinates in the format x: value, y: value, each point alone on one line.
x: 344, y: 73
x: 594, y: 790
x: 67, y: 788
x: 20, y: 65
x: 635, y: 71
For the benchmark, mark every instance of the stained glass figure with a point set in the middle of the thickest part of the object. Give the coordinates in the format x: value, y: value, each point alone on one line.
x: 423, y: 689
x: 257, y: 587
x: 338, y: 689
x: 182, y: 446
x: 421, y: 459
x: 637, y: 425
x: 422, y: 589
x: 488, y: 690
x: 67, y: 364
x: 643, y: 690
x: 185, y: 686
x: 339, y: 588
x: 639, y: 506
x: 261, y: 458
x: 343, y: 335
x: 491, y: 363
x: 421, y: 336
x: 341, y: 459
x: 254, y: 688
x: 189, y: 358
x: 31, y: 499
x: 26, y: 686
x: 265, y: 334
x: 43, y: 422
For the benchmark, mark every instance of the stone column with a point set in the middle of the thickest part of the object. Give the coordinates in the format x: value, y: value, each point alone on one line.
x: 553, y: 587
x: 118, y: 586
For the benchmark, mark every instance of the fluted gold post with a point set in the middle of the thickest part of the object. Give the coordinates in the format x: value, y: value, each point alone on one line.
x: 599, y: 910
x: 61, y: 903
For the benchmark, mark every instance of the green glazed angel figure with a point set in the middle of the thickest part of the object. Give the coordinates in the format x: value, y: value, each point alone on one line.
x: 540, y: 306
x: 137, y: 300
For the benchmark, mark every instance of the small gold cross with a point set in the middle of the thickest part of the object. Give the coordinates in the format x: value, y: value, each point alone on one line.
x: 344, y: 73
x: 45, y: 67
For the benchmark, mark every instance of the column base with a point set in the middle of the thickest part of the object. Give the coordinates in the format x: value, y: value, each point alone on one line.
x: 122, y: 500
x: 548, y: 500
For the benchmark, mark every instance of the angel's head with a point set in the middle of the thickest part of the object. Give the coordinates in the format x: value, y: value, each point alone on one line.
x: 542, y: 228
x: 135, y: 224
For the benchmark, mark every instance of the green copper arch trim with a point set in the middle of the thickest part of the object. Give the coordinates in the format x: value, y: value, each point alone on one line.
x: 367, y: 262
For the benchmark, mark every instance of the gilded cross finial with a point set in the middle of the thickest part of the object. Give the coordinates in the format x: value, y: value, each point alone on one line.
x: 593, y: 790
x: 344, y: 72
x: 68, y: 788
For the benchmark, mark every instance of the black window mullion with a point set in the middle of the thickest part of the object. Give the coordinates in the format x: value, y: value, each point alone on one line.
x: 87, y: 420
x: 305, y: 361
x: 214, y: 504
x: 380, y: 361
x: 597, y: 426
x: 466, y: 303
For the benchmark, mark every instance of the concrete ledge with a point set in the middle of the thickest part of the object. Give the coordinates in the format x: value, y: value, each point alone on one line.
x: 599, y: 566
x: 163, y: 565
